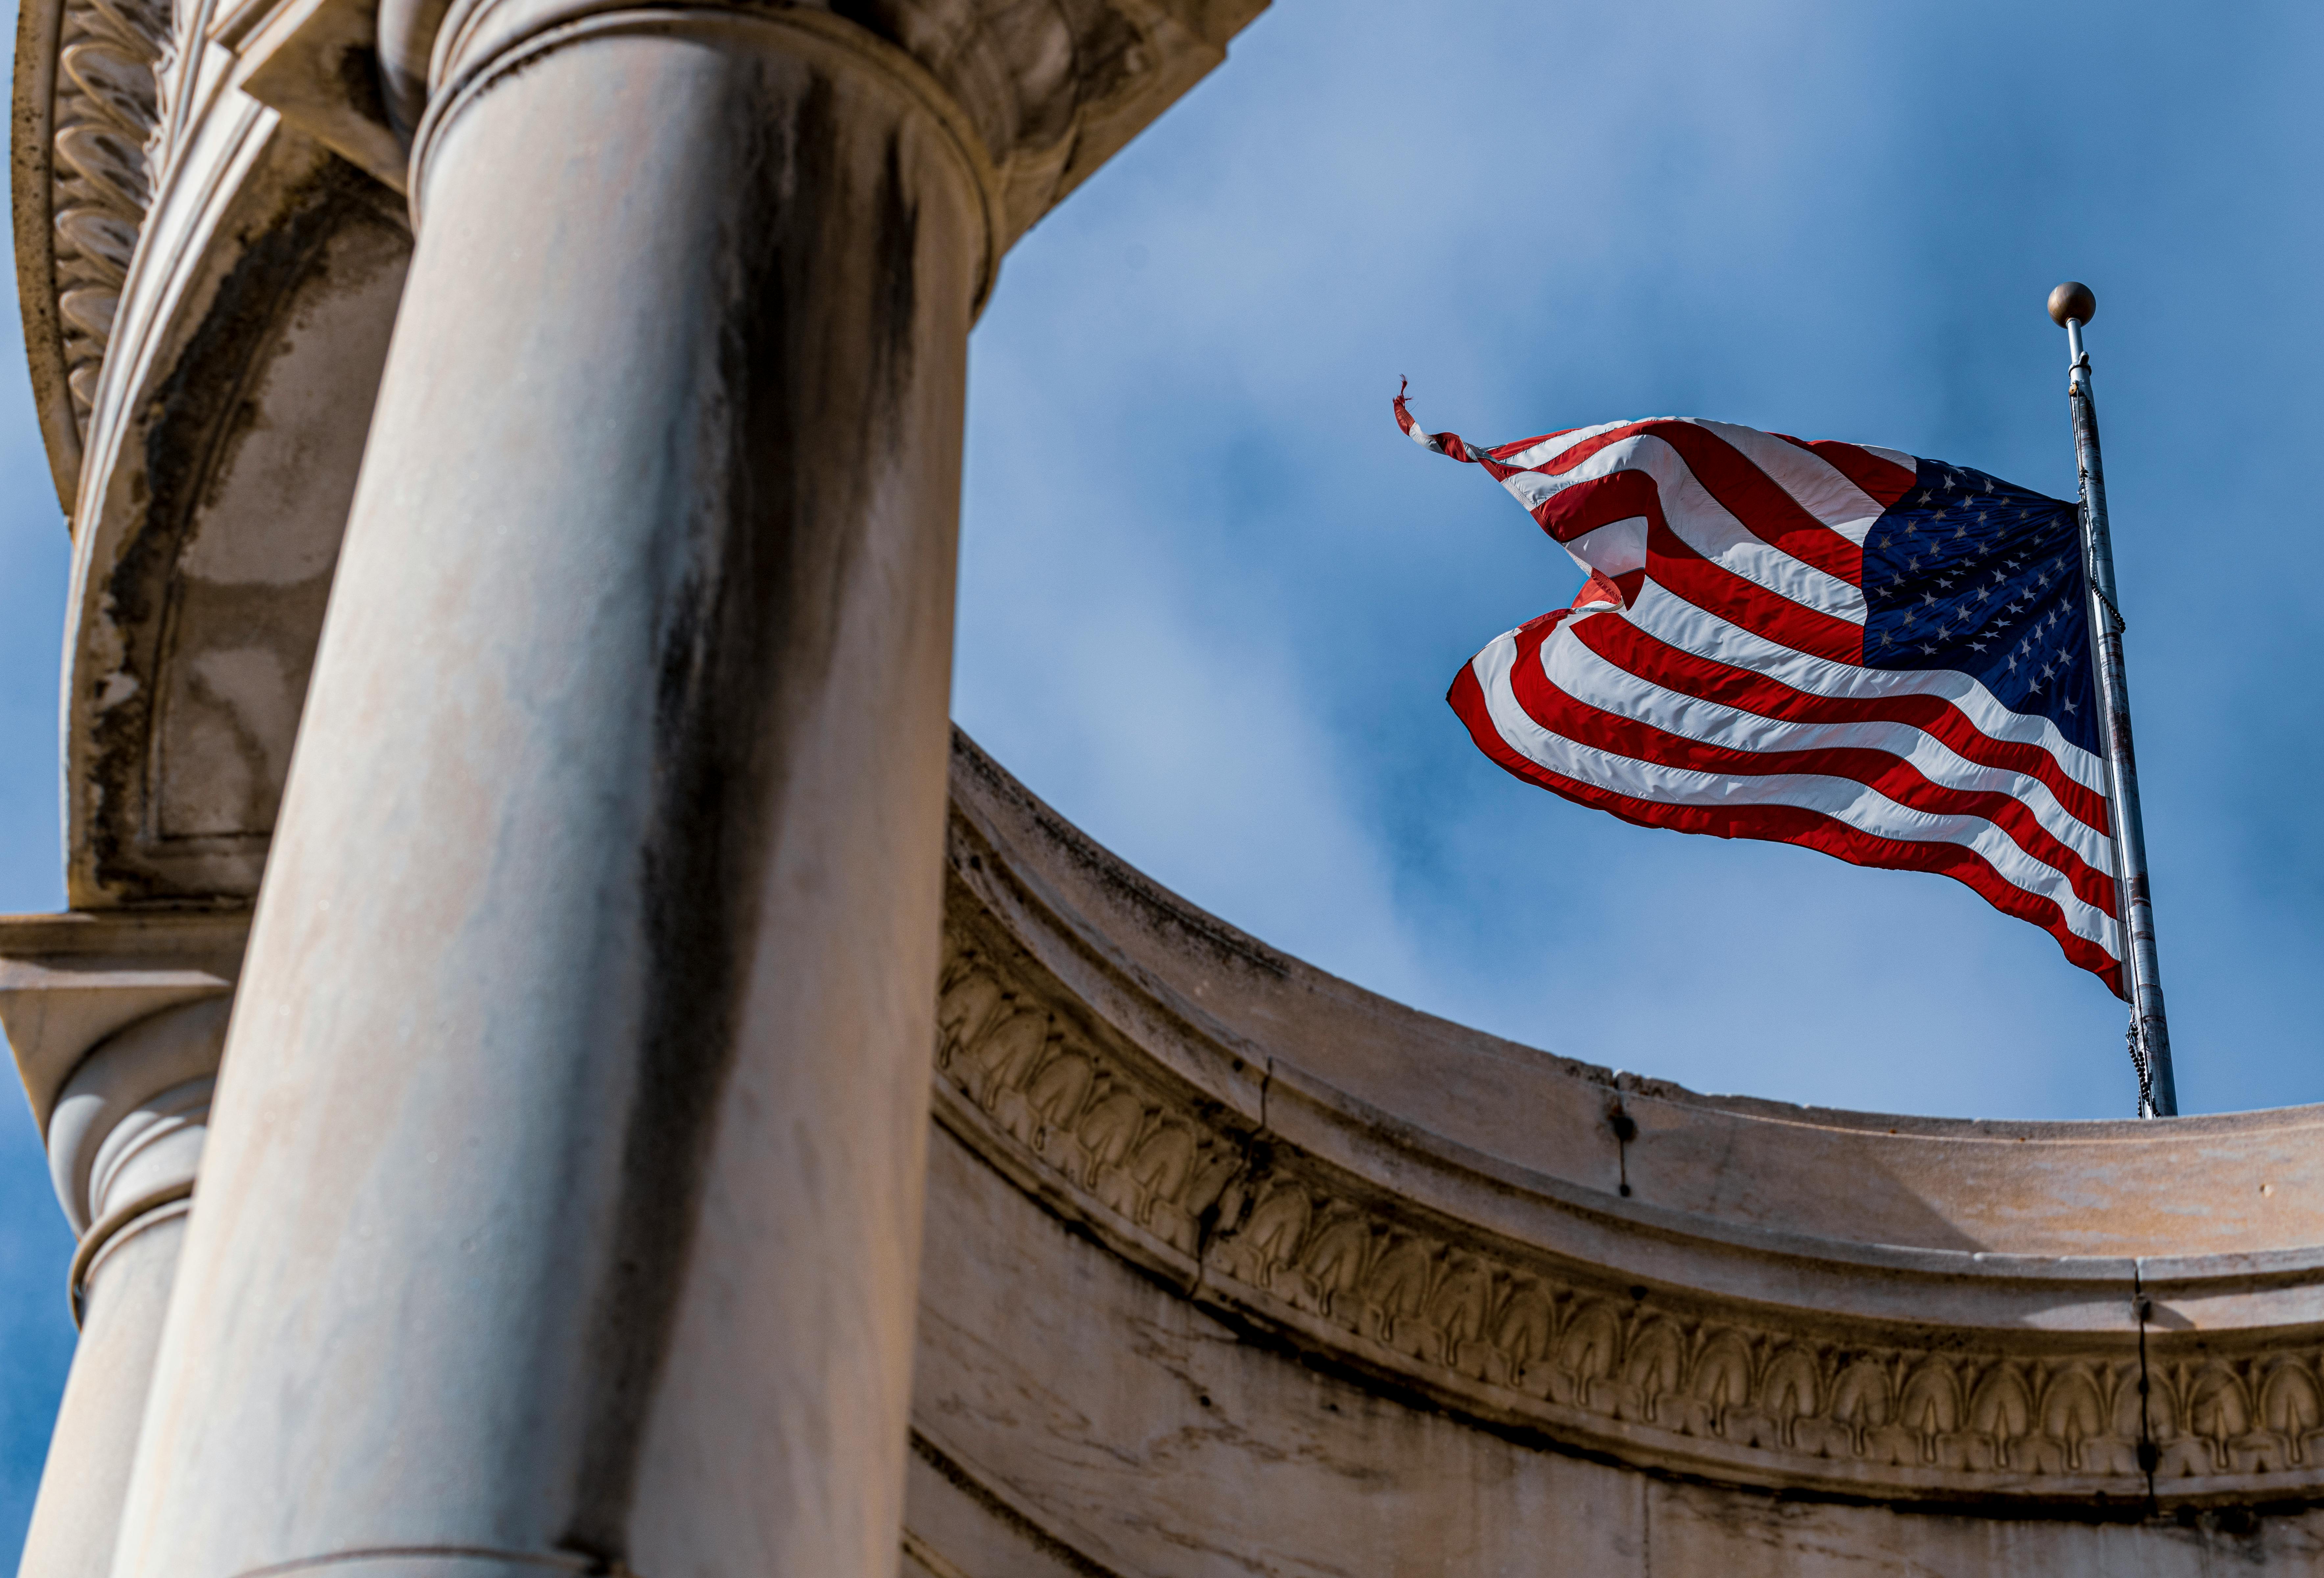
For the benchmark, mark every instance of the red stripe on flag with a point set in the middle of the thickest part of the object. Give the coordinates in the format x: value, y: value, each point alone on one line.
x: 1649, y: 657
x: 1582, y: 508
x: 1443, y: 443
x: 1882, y: 478
x: 1756, y: 500
x: 1675, y: 566
x: 1790, y: 825
x: 1503, y: 451
x: 1883, y: 772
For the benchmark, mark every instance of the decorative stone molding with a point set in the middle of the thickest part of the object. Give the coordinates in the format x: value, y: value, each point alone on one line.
x: 117, y: 1022
x: 1042, y: 94
x: 206, y: 549
x: 1170, y: 1146
x: 484, y: 43
x: 89, y: 109
x: 69, y: 983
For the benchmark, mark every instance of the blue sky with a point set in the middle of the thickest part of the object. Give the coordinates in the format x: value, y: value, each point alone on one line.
x: 1210, y: 600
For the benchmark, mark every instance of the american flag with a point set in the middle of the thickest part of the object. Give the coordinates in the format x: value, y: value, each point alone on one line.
x: 1881, y: 657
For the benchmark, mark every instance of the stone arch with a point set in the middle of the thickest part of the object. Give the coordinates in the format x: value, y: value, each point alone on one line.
x: 1337, y: 1259
x: 1458, y: 1311
x: 2217, y: 1408
x: 1395, y: 1287
x: 2001, y: 1409
x: 1004, y: 1054
x: 1164, y: 1159
x: 1523, y: 1332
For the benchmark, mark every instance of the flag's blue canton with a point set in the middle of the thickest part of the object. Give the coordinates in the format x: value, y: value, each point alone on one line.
x: 1971, y: 573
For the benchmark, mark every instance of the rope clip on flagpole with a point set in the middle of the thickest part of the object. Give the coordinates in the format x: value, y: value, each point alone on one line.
x: 2072, y: 305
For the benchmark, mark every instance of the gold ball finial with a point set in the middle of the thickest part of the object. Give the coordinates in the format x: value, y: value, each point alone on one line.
x: 2073, y: 300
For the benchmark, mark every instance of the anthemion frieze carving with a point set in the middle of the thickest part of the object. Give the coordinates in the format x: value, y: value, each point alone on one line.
x: 1211, y: 1200
x: 90, y: 85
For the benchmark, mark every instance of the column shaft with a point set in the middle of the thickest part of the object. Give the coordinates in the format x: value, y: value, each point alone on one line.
x: 78, y: 1517
x: 562, y: 1207
x: 124, y: 1133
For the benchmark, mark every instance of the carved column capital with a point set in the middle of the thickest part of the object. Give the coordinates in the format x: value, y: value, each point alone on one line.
x: 1041, y: 92
x: 480, y: 42
x: 1037, y: 95
x: 117, y: 1022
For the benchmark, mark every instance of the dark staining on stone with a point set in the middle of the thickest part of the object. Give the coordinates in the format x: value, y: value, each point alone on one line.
x: 1067, y: 1558
x: 1083, y: 52
x: 749, y: 628
x: 895, y: 317
x: 190, y: 425
x: 358, y: 76
x: 1108, y: 52
x: 2235, y: 1523
x: 289, y: 618
x: 1206, y: 1224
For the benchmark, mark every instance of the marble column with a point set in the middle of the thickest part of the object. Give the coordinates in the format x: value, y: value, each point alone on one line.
x: 563, y: 1204
x: 118, y: 1023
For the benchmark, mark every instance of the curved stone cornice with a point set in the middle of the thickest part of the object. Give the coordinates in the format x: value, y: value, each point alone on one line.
x: 1171, y: 1125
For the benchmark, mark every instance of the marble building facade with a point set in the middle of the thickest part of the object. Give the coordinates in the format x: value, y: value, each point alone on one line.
x: 680, y: 1110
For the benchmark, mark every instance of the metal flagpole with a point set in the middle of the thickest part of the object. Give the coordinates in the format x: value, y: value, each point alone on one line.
x: 2072, y: 305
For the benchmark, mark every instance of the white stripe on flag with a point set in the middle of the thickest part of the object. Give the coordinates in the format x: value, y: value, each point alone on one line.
x: 1843, y: 799
x: 1673, y: 619
x: 1816, y: 484
x: 1589, y: 677
x: 1701, y: 521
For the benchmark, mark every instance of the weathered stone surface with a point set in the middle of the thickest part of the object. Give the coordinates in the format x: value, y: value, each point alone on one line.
x: 69, y: 983
x: 853, y: 180
x: 1066, y: 1403
x: 590, y: 992
x: 1907, y: 1310
x: 1045, y: 92
x: 209, y: 525
x: 86, y: 115
x: 116, y: 1021
x: 562, y: 1212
